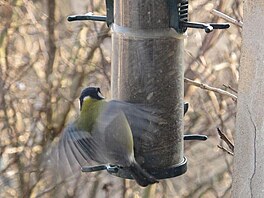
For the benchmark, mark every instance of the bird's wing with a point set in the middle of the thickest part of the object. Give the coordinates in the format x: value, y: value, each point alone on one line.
x: 142, y: 120
x: 113, y: 133
x: 77, y: 148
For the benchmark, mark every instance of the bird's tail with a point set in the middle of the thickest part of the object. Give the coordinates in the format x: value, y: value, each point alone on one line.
x: 142, y: 177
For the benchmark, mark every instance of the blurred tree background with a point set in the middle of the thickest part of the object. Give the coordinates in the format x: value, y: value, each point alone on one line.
x: 46, y: 61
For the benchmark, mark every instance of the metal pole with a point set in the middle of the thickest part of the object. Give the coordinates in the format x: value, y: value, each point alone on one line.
x: 147, y: 67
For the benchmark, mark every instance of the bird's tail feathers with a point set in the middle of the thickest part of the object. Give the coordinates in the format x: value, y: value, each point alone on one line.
x: 142, y: 177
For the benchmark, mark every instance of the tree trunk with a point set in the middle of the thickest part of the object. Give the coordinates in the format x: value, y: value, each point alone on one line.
x: 249, y: 141
x: 147, y: 67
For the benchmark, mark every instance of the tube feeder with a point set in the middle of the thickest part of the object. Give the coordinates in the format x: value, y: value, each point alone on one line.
x: 147, y: 67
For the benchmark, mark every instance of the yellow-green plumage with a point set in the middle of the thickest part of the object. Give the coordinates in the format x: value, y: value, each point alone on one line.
x: 117, y: 130
x: 91, y: 109
x: 103, y: 133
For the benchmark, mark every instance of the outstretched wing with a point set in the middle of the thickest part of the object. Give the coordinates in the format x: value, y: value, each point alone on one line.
x: 142, y: 120
x: 75, y: 149
x: 113, y: 132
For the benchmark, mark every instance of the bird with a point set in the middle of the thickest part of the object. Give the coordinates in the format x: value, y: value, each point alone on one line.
x: 104, y: 133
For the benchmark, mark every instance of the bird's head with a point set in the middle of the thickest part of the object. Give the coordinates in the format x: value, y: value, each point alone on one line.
x: 90, y: 93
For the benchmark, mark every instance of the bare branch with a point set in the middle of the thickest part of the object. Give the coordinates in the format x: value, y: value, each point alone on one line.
x: 209, y: 88
x: 227, y: 18
x: 231, y: 88
x: 224, y: 149
x: 226, y: 140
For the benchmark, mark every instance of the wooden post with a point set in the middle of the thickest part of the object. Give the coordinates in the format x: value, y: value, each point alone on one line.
x: 248, y: 174
x: 147, y: 67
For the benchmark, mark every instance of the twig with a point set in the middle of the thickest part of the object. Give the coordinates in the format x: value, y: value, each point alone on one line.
x: 224, y: 149
x: 226, y: 140
x: 227, y: 18
x: 57, y: 184
x: 207, y: 87
x: 231, y: 88
x: 107, y: 187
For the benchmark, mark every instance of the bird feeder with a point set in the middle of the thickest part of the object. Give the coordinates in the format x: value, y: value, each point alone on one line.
x: 147, y: 67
